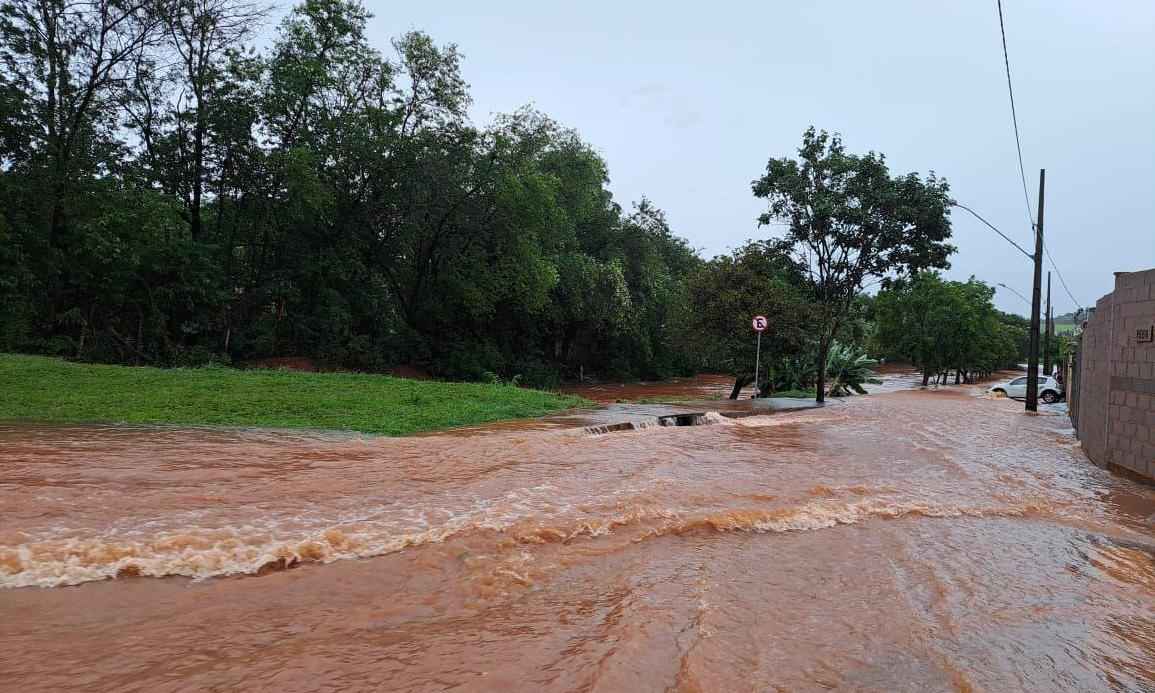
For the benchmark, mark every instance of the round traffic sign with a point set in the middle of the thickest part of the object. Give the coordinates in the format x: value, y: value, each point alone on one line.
x: 760, y: 323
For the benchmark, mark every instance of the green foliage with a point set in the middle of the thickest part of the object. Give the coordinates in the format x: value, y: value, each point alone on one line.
x: 939, y: 325
x: 723, y: 296
x: 847, y: 220
x: 197, y: 201
x: 43, y: 389
x: 794, y: 373
x: 172, y: 196
x: 1063, y: 346
x: 849, y: 368
x: 796, y: 393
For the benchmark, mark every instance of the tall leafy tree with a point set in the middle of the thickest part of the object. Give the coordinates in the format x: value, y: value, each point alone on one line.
x: 199, y: 35
x: 62, y: 65
x: 848, y: 221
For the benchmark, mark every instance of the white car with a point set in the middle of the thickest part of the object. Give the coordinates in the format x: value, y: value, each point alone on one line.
x: 1050, y: 390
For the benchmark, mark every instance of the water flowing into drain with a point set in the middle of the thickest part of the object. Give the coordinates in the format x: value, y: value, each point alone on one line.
x: 660, y: 421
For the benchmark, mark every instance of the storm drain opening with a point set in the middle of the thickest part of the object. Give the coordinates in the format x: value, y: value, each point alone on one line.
x: 690, y: 419
x: 610, y: 428
x: 696, y: 419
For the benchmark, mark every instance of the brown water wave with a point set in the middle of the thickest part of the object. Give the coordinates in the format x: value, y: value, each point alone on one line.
x: 201, y: 554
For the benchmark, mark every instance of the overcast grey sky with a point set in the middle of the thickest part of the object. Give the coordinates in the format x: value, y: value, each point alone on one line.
x: 688, y: 101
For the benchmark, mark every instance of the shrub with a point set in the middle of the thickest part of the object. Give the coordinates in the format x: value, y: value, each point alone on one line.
x: 847, y: 369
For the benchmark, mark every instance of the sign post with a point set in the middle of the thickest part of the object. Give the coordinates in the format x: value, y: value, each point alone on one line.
x: 760, y: 324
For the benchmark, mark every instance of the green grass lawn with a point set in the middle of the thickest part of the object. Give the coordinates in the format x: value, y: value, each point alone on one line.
x: 795, y: 394
x: 46, y: 389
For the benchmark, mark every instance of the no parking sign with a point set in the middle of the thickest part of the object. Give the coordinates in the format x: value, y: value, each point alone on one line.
x: 760, y: 324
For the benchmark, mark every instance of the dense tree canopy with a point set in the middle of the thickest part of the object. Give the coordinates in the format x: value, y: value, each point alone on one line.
x: 941, y: 325
x: 726, y: 292
x: 172, y: 196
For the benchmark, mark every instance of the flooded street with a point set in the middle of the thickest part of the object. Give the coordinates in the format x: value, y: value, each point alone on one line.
x: 700, y: 387
x: 907, y: 541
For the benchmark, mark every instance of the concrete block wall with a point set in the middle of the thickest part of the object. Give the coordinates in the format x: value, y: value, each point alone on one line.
x: 1117, y: 377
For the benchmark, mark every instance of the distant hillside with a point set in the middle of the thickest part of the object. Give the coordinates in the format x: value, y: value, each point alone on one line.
x: 1065, y: 323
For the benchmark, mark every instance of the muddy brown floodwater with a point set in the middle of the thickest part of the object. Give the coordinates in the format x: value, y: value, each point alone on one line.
x: 702, y: 387
x: 910, y: 541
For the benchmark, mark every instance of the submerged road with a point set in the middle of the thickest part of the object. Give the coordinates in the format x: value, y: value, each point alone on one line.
x: 908, y: 541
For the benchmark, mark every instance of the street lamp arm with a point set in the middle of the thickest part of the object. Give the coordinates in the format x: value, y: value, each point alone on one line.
x: 1025, y: 300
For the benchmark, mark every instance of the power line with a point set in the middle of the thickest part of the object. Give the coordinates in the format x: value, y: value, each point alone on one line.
x: 1014, y: 115
x: 1024, y: 252
x: 1007, y: 238
x: 1061, y: 280
x: 1019, y: 149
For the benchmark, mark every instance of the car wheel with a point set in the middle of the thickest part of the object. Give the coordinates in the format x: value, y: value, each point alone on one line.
x: 1050, y: 397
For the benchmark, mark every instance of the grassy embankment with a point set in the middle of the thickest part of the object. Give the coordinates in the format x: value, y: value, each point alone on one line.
x: 45, y: 389
x: 795, y: 394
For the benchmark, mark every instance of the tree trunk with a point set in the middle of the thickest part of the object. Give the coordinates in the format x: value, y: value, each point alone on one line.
x: 925, y: 377
x: 820, y: 370
x: 740, y: 382
x: 198, y: 171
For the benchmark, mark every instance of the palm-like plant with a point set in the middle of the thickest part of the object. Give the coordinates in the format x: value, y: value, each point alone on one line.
x: 848, y: 369
x: 794, y: 372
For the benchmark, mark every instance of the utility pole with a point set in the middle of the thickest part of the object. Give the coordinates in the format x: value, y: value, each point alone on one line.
x: 1047, y: 330
x: 1033, y: 353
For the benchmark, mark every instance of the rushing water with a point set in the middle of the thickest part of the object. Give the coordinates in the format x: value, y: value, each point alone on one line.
x: 911, y: 541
